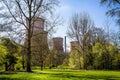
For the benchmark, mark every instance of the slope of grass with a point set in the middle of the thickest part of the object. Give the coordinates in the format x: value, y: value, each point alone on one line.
x: 61, y: 75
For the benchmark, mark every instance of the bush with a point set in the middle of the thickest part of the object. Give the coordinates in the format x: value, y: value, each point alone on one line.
x: 18, y: 66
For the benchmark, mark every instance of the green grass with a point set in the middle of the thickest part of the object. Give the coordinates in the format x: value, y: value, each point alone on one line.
x: 61, y: 75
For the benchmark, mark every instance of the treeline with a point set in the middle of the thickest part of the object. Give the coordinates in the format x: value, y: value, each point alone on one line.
x: 13, y: 55
x: 95, y: 48
x: 100, y: 53
x: 100, y: 56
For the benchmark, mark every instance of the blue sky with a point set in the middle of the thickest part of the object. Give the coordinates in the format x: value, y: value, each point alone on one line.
x: 93, y: 7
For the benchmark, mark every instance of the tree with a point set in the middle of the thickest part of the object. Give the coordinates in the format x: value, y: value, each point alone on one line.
x: 98, y: 35
x: 11, y: 49
x: 79, y: 30
x: 114, y: 38
x: 18, y: 11
x: 74, y: 60
x: 39, y: 48
x: 105, y: 56
x: 98, y: 51
x: 114, y: 10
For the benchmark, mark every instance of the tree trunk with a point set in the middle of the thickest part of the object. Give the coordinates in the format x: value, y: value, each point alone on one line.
x: 84, y: 61
x: 6, y: 66
x: 23, y: 64
x: 79, y: 60
x: 84, y: 56
x: 23, y: 61
x: 28, y: 66
x: 41, y: 65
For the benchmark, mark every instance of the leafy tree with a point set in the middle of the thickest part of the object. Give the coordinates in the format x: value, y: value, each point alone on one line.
x: 105, y: 56
x: 11, y: 48
x: 97, y: 52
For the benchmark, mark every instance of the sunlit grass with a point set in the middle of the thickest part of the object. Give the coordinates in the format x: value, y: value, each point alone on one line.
x: 61, y: 75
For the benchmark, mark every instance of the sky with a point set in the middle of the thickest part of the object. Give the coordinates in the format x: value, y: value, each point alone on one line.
x: 93, y: 7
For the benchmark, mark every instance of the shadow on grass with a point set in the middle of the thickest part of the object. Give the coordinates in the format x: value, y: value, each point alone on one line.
x: 9, y: 78
x: 86, y: 77
x: 7, y: 72
x: 64, y: 75
x: 19, y: 75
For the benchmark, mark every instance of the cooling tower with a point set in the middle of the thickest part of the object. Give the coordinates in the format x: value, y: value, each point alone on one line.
x: 58, y: 44
x: 39, y: 36
x: 37, y: 23
x: 73, y: 45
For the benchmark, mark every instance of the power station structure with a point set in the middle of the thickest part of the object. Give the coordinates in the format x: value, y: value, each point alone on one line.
x: 39, y: 44
x: 58, y: 44
x: 39, y: 36
x: 39, y: 39
x: 73, y: 45
x: 37, y: 23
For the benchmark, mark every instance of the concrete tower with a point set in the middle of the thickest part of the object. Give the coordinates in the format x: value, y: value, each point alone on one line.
x: 39, y: 37
x: 73, y: 45
x: 38, y: 24
x: 58, y: 44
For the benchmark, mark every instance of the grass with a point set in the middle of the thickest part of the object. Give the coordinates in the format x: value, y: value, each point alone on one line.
x: 61, y: 75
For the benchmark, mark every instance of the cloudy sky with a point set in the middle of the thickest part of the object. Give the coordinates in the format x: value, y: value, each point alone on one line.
x: 96, y: 11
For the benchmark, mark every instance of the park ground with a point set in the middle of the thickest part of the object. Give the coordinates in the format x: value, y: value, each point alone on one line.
x: 57, y: 74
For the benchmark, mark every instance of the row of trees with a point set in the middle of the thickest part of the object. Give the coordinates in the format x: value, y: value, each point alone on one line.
x: 95, y: 48
x: 12, y: 55
x: 99, y: 56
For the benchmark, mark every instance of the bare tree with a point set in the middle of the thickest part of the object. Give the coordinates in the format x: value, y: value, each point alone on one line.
x: 79, y: 29
x: 18, y: 11
x: 114, y: 9
x: 98, y: 35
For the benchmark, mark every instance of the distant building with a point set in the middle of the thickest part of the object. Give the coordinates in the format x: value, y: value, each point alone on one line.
x: 58, y: 44
x: 73, y: 45
x: 39, y: 36
x: 38, y: 24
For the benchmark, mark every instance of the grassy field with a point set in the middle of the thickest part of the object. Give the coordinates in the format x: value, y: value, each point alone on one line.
x: 61, y: 75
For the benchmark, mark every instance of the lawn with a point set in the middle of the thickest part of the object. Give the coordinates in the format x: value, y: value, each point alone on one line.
x: 61, y: 75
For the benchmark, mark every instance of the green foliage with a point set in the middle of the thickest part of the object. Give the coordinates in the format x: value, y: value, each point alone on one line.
x: 98, y: 49
x: 65, y: 62
x: 116, y: 61
x: 18, y: 66
x: 75, y: 61
x: 105, y: 57
x: 11, y: 50
x: 10, y: 59
x: 10, y: 45
x: 3, y: 53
